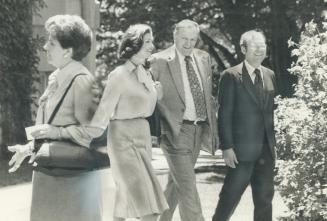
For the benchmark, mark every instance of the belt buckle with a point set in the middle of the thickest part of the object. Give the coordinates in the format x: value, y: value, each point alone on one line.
x: 196, y: 122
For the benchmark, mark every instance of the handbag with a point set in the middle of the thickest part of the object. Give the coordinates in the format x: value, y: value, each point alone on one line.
x: 66, y: 158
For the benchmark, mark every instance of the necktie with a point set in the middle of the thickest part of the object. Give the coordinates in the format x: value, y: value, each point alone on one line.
x: 258, y: 84
x: 197, y: 93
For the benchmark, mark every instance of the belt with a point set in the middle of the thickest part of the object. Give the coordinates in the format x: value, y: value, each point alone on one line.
x: 194, y: 122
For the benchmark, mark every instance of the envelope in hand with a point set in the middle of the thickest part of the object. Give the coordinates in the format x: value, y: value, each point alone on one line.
x: 30, y: 130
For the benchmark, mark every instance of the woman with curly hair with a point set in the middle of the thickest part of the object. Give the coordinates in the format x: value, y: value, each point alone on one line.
x: 70, y: 197
x: 129, y: 98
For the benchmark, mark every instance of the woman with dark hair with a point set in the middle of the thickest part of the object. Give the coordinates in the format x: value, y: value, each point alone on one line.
x: 129, y: 97
x: 64, y: 198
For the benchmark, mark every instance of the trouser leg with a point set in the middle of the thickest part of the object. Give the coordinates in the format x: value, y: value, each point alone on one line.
x: 262, y: 183
x: 181, y: 187
x: 235, y: 183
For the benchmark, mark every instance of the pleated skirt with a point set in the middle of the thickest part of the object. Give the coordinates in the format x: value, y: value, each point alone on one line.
x: 138, y: 192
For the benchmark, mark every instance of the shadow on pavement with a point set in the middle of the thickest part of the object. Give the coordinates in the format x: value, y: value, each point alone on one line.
x: 212, y: 173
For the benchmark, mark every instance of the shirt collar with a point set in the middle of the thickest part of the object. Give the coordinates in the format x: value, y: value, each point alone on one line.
x: 250, y: 68
x: 181, y: 57
x: 130, y: 66
x: 141, y: 73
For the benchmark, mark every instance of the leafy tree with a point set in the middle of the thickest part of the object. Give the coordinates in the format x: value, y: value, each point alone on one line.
x: 279, y: 19
x: 116, y: 16
x: 301, y: 130
x: 18, y: 67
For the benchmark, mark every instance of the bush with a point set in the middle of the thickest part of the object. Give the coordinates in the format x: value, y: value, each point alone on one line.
x: 301, y: 125
x: 18, y: 68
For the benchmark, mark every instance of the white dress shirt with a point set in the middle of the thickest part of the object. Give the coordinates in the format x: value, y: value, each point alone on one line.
x: 251, y: 69
x: 190, y: 112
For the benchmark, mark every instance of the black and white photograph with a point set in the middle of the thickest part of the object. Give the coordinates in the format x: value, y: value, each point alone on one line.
x: 163, y: 110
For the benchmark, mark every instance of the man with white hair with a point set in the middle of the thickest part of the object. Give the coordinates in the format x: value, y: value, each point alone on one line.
x: 187, y: 117
x: 246, y: 130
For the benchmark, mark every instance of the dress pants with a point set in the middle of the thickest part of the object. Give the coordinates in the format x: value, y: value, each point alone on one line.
x: 181, y: 187
x: 260, y: 174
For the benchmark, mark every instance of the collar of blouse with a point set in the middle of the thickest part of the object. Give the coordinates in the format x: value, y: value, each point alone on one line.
x: 143, y: 76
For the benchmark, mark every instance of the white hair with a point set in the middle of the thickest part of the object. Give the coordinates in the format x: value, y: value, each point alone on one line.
x: 246, y: 37
x: 186, y: 24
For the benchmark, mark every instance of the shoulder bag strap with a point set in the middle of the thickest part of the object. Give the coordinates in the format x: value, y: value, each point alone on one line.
x: 62, y: 99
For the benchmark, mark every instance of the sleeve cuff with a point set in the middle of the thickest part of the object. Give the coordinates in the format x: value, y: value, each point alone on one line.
x: 82, y: 140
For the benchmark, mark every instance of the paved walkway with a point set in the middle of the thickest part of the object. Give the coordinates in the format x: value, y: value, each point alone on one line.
x: 15, y: 200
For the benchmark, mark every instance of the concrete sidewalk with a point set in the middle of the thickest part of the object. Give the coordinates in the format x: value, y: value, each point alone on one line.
x: 15, y: 200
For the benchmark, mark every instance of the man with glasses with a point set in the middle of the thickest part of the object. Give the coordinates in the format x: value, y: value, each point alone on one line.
x: 246, y: 130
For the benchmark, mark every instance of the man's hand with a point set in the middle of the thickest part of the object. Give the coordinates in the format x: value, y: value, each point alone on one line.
x: 47, y: 132
x: 21, y: 152
x: 230, y: 157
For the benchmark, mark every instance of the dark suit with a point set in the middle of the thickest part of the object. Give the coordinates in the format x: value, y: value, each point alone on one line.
x: 246, y: 125
x: 181, y: 141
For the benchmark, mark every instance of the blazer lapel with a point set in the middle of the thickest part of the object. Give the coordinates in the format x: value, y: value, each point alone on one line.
x: 175, y: 71
x: 248, y: 84
x: 267, y: 85
x: 204, y: 74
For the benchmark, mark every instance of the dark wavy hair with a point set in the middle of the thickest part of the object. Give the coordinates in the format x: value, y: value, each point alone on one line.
x: 71, y: 31
x: 132, y: 40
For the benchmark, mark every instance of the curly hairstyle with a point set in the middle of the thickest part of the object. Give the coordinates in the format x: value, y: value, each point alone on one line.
x: 132, y: 40
x: 71, y: 31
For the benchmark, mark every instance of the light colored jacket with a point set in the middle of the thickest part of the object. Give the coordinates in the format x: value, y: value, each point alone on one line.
x: 77, y: 108
x: 165, y: 68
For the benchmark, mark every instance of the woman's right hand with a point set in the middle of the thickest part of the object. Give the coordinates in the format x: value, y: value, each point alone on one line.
x: 21, y: 152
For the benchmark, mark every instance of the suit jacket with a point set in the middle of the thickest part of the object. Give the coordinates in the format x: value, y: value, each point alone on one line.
x: 244, y: 122
x: 165, y: 68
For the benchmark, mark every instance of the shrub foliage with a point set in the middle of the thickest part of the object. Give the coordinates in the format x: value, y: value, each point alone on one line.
x: 18, y: 67
x: 301, y: 124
